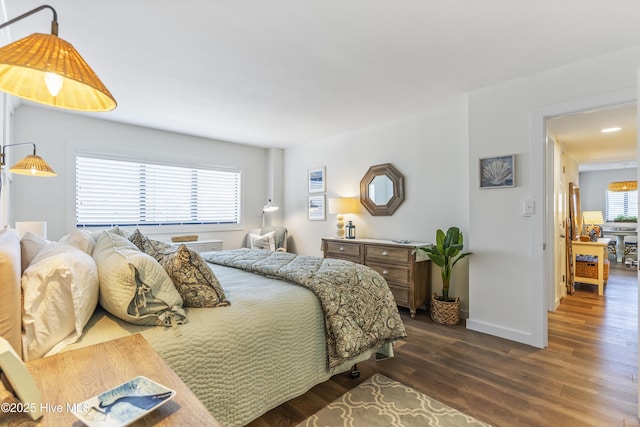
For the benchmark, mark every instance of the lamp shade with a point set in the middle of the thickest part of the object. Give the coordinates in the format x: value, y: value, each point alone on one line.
x: 592, y: 217
x: 623, y: 186
x: 33, y: 165
x: 269, y: 207
x: 36, y: 227
x: 27, y: 63
x: 343, y: 205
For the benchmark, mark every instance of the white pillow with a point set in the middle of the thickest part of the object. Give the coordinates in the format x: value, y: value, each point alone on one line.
x: 10, y: 325
x: 95, y: 235
x: 133, y: 286
x: 30, y: 245
x: 81, y: 240
x: 60, y: 293
x: 266, y: 241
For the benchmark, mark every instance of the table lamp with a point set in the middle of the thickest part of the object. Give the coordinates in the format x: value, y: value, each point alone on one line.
x: 342, y: 206
x: 591, y: 219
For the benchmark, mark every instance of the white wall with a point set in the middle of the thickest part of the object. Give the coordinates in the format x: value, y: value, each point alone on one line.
x: 59, y: 135
x: 507, y: 290
x: 430, y: 150
x: 593, y: 186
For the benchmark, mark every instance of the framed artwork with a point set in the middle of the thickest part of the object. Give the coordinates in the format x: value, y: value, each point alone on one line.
x: 316, y: 206
x: 317, y: 180
x: 498, y: 172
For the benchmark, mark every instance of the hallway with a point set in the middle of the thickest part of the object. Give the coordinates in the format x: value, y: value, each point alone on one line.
x: 600, y: 334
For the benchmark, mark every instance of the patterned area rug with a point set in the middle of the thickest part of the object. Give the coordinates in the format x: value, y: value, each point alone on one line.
x: 380, y: 401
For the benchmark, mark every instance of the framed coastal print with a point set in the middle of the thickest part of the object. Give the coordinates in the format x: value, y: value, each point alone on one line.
x: 498, y: 172
x: 316, y: 180
x: 316, y: 206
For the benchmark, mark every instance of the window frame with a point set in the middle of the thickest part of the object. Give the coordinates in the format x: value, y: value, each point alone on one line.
x: 628, y: 204
x: 156, y: 228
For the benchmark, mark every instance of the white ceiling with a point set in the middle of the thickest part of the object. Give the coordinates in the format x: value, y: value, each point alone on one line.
x: 582, y: 137
x: 283, y: 72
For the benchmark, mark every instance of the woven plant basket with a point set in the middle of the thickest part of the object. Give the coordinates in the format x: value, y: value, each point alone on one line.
x: 445, y: 312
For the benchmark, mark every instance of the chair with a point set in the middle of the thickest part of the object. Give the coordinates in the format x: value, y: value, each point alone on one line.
x: 280, y: 236
x: 630, y: 250
x: 613, y: 248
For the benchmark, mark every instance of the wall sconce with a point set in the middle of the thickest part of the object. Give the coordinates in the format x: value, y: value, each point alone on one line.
x: 46, y: 69
x: 32, y: 164
x: 342, y: 206
x: 269, y: 207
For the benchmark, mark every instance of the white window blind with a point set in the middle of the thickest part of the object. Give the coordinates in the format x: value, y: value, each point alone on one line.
x: 621, y: 203
x: 116, y: 192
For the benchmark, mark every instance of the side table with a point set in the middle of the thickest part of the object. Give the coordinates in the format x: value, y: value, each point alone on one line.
x: 74, y: 376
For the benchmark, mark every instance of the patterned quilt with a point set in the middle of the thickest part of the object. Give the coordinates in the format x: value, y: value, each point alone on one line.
x: 360, y: 312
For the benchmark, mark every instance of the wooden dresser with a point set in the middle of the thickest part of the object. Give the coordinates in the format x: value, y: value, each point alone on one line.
x: 406, y: 270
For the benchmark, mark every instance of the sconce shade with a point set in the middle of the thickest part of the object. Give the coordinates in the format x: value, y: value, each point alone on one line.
x: 343, y: 205
x: 33, y: 165
x: 269, y: 207
x: 623, y: 186
x: 592, y: 217
x: 24, y: 64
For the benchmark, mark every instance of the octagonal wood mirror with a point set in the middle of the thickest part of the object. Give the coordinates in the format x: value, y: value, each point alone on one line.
x: 382, y: 189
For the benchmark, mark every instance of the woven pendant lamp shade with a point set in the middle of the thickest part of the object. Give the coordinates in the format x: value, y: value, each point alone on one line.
x: 32, y: 165
x: 23, y: 65
x: 623, y: 186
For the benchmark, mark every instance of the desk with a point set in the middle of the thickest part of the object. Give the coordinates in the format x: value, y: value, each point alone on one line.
x: 620, y: 234
x: 77, y: 375
x: 598, y: 249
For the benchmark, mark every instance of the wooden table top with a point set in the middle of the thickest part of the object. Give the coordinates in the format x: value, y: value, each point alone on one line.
x: 74, y: 376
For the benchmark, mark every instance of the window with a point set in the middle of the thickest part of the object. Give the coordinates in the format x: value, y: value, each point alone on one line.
x: 621, y: 204
x: 114, y: 192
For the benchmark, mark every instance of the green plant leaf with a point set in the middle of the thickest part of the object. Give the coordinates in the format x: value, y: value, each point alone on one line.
x: 437, y: 259
x: 440, y: 240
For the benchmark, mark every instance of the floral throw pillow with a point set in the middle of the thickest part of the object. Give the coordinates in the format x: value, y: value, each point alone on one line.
x: 194, y: 280
x: 190, y: 274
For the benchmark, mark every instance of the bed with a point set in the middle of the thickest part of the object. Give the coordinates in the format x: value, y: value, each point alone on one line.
x: 265, y: 348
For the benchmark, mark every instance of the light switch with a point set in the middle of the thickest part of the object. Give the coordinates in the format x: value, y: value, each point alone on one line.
x: 528, y: 207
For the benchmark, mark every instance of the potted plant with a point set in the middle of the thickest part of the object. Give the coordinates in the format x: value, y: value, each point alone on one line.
x: 445, y: 254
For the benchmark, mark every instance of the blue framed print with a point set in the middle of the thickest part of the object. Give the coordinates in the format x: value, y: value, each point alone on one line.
x: 498, y: 172
x: 317, y: 179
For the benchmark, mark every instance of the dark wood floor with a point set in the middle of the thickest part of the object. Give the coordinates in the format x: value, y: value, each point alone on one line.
x: 587, y: 376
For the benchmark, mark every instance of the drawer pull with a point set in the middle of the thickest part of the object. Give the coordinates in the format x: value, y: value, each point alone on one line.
x: 385, y: 253
x: 342, y: 248
x: 385, y: 272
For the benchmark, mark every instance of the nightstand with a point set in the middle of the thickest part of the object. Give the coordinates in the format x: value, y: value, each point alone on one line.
x: 74, y: 376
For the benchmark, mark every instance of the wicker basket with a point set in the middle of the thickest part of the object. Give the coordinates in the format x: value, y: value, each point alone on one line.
x: 445, y: 312
x: 589, y: 269
x: 187, y: 238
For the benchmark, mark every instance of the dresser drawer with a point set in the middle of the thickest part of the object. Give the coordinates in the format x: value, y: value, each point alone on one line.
x: 387, y: 253
x: 400, y: 294
x: 391, y: 273
x: 346, y: 250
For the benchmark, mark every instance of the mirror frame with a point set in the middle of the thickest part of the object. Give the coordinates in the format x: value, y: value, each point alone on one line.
x: 398, y: 189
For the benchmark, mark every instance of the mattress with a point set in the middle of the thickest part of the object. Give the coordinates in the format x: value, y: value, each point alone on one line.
x: 264, y: 349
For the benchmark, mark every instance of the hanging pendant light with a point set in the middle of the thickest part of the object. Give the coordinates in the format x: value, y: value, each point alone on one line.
x: 623, y: 186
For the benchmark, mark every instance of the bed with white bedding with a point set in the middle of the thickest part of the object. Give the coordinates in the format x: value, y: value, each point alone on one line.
x: 265, y: 348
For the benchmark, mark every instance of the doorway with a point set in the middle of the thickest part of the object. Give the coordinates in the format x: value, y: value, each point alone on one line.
x: 590, y: 148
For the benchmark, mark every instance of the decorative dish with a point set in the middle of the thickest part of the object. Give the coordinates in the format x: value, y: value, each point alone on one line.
x: 123, y: 404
